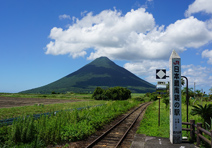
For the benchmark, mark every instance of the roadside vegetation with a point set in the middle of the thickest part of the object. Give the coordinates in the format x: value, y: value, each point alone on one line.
x: 64, y: 126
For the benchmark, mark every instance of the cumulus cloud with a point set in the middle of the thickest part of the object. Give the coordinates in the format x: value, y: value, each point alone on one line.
x: 199, y: 6
x: 200, y: 75
x: 207, y: 54
x: 130, y: 36
x: 147, y: 69
x: 64, y: 16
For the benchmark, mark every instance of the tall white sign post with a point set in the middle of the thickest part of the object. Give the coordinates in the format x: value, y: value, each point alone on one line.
x: 175, y: 99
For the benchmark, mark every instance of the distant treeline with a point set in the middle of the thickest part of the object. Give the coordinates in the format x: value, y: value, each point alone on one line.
x: 113, y: 93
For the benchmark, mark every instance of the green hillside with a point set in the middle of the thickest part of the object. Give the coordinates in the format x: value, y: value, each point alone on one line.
x: 101, y: 72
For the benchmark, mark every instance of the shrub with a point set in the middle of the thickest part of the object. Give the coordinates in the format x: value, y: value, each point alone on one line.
x: 113, y: 93
x: 166, y: 101
x: 204, y: 111
x: 140, y: 99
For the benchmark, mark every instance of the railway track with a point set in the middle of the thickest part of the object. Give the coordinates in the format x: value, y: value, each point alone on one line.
x: 115, y: 135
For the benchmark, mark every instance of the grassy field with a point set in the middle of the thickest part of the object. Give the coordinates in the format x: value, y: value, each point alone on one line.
x: 66, y: 96
x: 29, y: 110
x: 64, y: 126
x: 57, y: 96
x: 149, y: 125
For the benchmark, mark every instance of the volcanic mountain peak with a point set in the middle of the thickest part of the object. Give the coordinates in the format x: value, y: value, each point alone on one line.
x: 100, y: 72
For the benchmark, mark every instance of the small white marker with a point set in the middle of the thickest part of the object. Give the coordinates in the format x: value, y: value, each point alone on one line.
x: 160, y: 142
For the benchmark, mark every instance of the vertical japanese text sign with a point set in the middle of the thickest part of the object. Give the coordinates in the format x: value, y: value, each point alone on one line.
x: 175, y: 99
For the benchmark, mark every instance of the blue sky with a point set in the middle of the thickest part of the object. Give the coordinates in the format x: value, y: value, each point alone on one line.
x: 44, y: 40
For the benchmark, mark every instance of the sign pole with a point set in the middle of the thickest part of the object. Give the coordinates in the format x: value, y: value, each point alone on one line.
x: 175, y: 99
x: 159, y: 113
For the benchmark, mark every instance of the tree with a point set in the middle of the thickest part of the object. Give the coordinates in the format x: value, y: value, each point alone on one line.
x: 97, y: 94
x: 182, y: 81
x: 204, y: 111
x: 190, y: 91
x: 210, y: 91
x: 198, y: 93
x: 113, y: 93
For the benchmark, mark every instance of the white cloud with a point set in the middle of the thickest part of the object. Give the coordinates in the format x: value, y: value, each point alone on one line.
x: 64, y: 16
x: 147, y: 70
x: 146, y: 67
x: 207, y: 54
x: 200, y: 75
x: 132, y: 36
x: 199, y: 6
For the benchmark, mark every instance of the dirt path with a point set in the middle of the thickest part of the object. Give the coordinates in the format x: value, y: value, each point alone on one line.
x: 14, y: 102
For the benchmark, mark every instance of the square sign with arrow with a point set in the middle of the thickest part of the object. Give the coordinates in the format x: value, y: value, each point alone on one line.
x: 160, y: 73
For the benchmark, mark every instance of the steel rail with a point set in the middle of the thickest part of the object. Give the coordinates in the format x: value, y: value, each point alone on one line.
x: 122, y: 138
x: 104, y: 134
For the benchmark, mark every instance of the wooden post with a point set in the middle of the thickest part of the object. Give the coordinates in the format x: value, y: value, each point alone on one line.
x: 198, y: 132
x: 192, y: 128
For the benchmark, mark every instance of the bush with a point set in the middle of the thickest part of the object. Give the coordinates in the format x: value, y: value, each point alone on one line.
x: 153, y: 96
x: 166, y: 101
x: 98, y: 93
x: 113, y: 93
x: 139, y: 99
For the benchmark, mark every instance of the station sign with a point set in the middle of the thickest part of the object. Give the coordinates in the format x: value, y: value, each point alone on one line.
x: 175, y: 99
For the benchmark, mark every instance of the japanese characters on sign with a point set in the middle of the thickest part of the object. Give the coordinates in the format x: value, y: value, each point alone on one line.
x: 175, y: 99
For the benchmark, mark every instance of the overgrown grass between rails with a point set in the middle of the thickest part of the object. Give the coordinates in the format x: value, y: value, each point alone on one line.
x: 64, y: 126
x: 149, y: 124
x: 28, y: 110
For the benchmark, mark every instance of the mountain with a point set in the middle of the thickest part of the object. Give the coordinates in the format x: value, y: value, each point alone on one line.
x: 100, y: 72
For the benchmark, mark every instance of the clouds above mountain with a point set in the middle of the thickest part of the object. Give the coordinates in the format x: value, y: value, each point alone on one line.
x: 131, y: 36
x: 137, y: 38
x: 199, y: 6
x: 147, y: 69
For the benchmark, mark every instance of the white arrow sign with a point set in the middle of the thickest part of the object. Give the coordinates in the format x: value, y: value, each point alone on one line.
x: 160, y: 73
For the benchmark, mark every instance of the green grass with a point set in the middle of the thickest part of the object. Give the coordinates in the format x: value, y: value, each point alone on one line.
x: 28, y: 110
x: 67, y: 96
x: 64, y: 126
x: 134, y: 95
x: 149, y: 125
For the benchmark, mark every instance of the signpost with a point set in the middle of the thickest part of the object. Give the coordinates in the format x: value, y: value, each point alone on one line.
x: 160, y: 73
x: 160, y: 87
x: 175, y: 99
